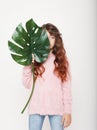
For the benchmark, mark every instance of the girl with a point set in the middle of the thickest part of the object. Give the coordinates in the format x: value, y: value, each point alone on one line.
x: 52, y: 93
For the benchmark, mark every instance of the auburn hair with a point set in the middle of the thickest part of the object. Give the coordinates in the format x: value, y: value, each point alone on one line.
x: 61, y: 62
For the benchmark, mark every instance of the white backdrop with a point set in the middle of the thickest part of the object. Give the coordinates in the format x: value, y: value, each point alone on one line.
x: 76, y: 20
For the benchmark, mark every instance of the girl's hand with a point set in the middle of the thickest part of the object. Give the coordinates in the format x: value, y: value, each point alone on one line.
x: 66, y: 119
x: 32, y: 58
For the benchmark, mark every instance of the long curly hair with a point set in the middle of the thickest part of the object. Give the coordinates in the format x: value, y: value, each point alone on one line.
x: 61, y: 62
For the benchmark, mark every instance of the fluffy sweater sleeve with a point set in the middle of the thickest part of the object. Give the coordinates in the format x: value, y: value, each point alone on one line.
x: 27, y: 79
x: 67, y: 96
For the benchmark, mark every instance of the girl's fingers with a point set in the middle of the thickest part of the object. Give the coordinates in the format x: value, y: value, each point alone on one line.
x: 66, y: 122
x: 63, y: 119
x: 32, y: 58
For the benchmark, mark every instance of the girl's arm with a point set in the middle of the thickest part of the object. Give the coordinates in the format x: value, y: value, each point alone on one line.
x: 27, y: 79
x: 67, y: 97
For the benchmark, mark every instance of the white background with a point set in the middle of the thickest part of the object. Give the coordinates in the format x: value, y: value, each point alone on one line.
x: 76, y: 20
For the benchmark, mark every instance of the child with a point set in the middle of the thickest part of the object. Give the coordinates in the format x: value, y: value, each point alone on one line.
x: 52, y: 93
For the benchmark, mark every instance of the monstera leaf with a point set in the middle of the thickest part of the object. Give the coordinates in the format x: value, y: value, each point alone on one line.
x: 30, y: 41
x: 33, y: 41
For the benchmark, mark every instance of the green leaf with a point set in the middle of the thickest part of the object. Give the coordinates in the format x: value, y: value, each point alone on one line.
x: 22, y: 60
x: 33, y: 40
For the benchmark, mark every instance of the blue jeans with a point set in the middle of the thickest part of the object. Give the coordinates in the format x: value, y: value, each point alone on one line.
x: 36, y: 122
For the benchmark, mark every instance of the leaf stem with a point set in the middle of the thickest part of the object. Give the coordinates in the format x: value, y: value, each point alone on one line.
x: 31, y: 90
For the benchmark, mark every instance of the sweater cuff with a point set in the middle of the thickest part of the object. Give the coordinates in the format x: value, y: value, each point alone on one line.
x: 68, y: 108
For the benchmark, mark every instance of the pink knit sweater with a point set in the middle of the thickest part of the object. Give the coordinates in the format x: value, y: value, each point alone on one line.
x: 50, y: 95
